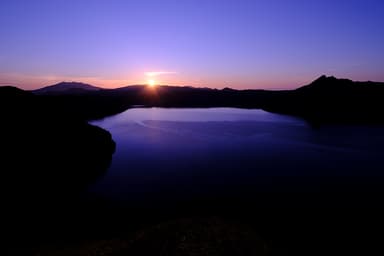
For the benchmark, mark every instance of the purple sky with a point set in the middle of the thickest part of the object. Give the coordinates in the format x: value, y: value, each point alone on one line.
x: 208, y: 43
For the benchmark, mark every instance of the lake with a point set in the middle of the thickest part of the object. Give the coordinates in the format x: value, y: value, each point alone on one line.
x: 173, y: 155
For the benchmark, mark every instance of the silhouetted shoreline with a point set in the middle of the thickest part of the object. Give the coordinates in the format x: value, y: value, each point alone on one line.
x: 325, y: 100
x: 58, y: 154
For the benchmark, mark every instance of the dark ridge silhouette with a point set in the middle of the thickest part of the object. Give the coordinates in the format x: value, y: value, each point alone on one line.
x: 326, y: 100
x: 332, y: 100
x: 66, y: 88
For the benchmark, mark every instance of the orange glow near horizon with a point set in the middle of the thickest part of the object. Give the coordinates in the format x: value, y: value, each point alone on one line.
x: 31, y: 82
x: 151, y: 83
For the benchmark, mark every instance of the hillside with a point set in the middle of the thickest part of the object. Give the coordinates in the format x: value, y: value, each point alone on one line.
x: 66, y: 88
x: 44, y: 148
x: 332, y: 100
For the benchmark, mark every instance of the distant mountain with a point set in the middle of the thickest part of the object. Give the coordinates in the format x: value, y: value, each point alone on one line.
x: 331, y: 100
x: 66, y: 88
x: 129, y: 88
x: 332, y: 83
x: 325, y: 100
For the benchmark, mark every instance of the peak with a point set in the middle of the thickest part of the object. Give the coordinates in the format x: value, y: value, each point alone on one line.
x: 64, y: 87
x: 326, y: 82
x: 72, y: 83
x: 329, y: 80
x: 12, y: 91
x: 10, y: 87
x: 325, y: 78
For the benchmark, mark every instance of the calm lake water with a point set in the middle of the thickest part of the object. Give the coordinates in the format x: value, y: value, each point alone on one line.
x: 172, y: 154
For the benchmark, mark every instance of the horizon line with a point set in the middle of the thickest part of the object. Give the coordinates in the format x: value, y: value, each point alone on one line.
x: 179, y: 85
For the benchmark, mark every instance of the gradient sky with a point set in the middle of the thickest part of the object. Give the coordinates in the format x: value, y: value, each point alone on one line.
x: 206, y: 43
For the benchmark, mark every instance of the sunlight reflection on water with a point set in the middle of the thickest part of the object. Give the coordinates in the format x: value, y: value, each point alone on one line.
x: 194, y: 150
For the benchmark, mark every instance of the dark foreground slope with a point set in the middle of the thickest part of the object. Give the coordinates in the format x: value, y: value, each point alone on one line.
x: 44, y: 147
x: 47, y: 159
x: 45, y: 153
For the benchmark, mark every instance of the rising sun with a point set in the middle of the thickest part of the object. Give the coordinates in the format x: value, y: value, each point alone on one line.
x: 151, y: 82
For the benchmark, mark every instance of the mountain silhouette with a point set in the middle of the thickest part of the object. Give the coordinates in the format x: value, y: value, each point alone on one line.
x: 325, y: 100
x: 66, y: 88
x: 332, y: 100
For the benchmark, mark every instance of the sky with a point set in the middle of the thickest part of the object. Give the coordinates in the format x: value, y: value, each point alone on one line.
x: 269, y: 44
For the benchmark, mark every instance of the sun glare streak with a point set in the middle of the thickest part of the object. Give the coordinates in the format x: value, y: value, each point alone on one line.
x: 159, y: 73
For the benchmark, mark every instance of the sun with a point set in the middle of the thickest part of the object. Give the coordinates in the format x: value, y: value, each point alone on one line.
x: 151, y: 83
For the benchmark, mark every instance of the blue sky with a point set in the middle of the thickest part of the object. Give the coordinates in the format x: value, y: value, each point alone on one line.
x: 207, y: 43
